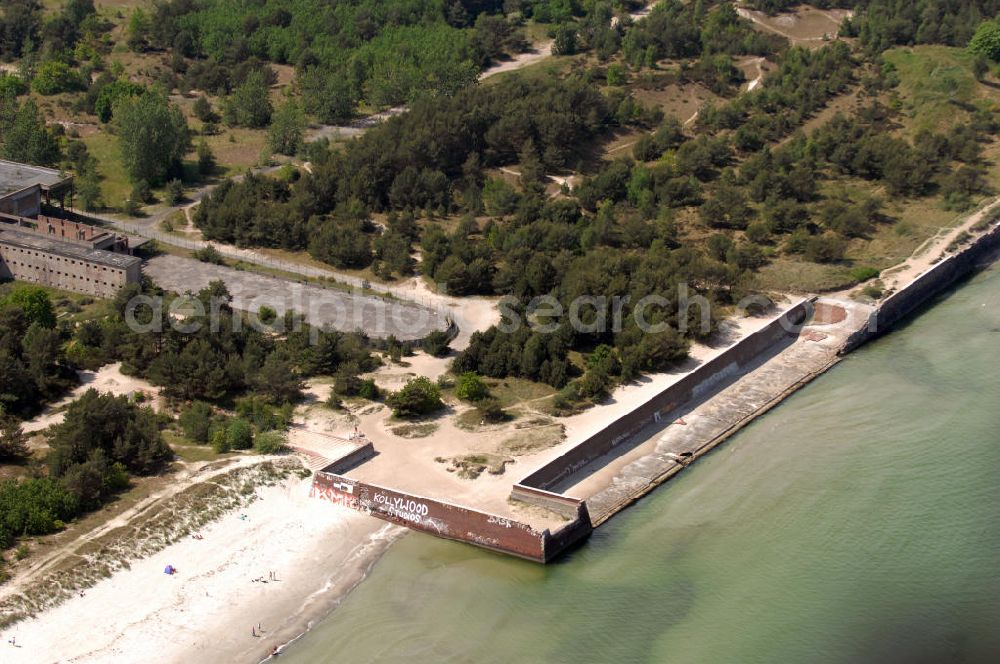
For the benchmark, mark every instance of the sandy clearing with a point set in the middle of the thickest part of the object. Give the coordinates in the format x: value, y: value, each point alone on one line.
x: 805, y: 26
x: 318, y: 550
x: 108, y: 378
x: 629, y: 397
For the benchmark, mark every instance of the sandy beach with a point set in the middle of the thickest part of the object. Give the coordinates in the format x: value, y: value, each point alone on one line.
x: 318, y: 552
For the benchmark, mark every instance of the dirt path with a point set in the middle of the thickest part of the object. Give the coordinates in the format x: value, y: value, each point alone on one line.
x: 538, y: 52
x: 931, y: 251
x: 759, y: 64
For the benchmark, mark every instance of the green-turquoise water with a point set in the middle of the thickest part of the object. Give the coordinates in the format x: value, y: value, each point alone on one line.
x: 857, y: 522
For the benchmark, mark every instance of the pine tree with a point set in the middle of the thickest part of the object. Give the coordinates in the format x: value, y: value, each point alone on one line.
x: 13, y: 441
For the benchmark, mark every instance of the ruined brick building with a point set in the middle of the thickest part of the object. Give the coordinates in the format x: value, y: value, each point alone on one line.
x: 56, y: 252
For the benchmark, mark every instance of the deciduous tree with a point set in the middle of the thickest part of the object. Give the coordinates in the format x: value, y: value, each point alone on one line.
x: 153, y: 136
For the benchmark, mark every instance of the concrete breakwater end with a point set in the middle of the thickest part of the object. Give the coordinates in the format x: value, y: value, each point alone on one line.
x: 454, y: 522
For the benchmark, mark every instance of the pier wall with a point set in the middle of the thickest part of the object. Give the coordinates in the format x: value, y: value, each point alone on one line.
x: 453, y: 522
x: 536, y: 487
x: 921, y: 291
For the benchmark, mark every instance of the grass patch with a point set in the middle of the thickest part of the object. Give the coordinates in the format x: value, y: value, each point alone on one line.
x: 174, y: 223
x: 416, y: 430
x: 471, y: 466
x: 516, y: 391
x: 472, y: 420
x: 533, y: 436
x: 189, y: 451
x: 115, y: 185
x: 790, y: 273
x: 931, y: 80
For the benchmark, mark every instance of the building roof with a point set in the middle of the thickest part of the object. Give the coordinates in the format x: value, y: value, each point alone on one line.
x: 15, y: 177
x: 37, y: 242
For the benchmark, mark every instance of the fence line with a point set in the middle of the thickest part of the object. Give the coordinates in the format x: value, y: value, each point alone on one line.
x: 273, y: 263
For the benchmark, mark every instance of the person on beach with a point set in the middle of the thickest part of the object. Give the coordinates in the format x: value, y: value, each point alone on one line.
x: 253, y: 631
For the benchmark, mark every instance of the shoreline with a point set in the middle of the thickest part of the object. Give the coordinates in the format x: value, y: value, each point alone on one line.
x: 222, y: 589
x: 368, y: 555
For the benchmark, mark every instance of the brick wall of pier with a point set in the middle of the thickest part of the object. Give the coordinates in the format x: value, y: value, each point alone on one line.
x: 454, y: 522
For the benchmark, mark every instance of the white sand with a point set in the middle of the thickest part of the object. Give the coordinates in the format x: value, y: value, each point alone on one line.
x: 108, y: 378
x: 206, y: 610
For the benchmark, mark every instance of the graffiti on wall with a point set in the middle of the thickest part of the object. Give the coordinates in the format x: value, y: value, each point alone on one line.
x: 438, y: 518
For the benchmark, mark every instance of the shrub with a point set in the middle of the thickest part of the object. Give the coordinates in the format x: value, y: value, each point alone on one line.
x: 873, y: 291
x: 593, y: 385
x: 267, y: 314
x: 203, y: 109
x: 499, y: 197
x: 219, y: 441
x: 615, y: 75
x: 827, y: 248
x: 196, y: 422
x: 263, y: 415
x: 239, y: 435
x: 110, y: 94
x: 210, y: 255
x: 13, y: 441
x: 436, y: 343
x: 420, y: 396
x: 11, y: 85
x: 490, y: 410
x: 206, y: 159
x: 175, y: 192
x: 142, y: 192
x: 33, y: 507
x: 368, y: 390
x: 131, y: 207
x: 347, y: 383
x: 269, y: 442
x: 986, y: 41
x: 54, y: 77
x: 860, y: 274
x: 471, y: 387
x: 35, y: 302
